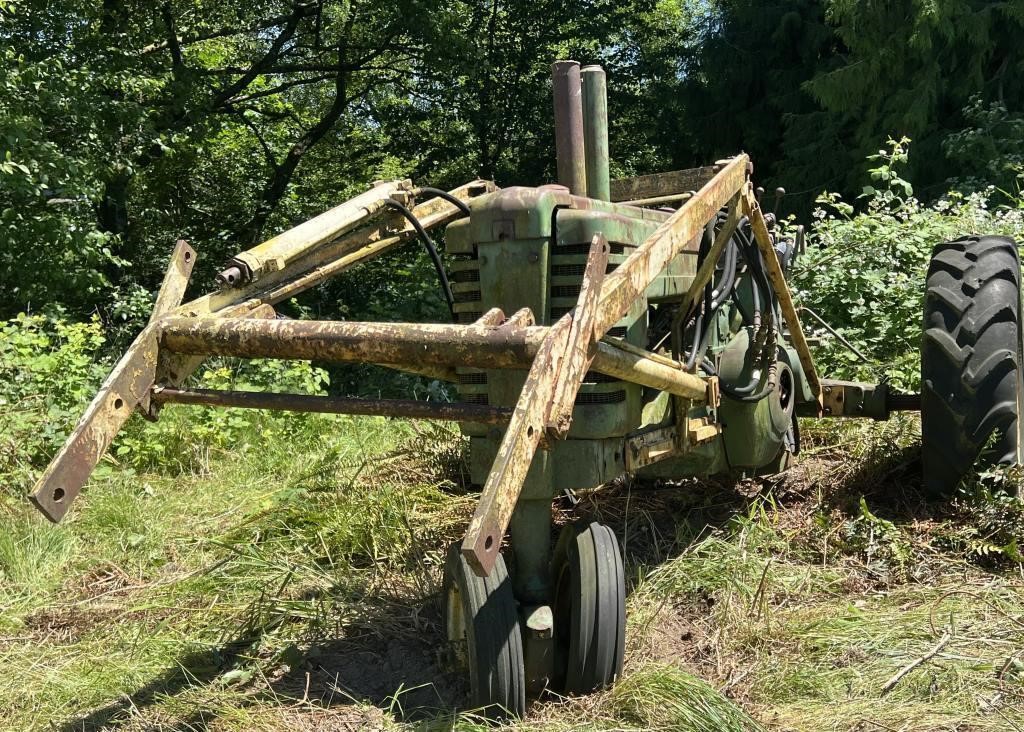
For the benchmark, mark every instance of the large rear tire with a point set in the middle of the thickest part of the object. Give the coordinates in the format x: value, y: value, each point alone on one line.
x: 971, y: 358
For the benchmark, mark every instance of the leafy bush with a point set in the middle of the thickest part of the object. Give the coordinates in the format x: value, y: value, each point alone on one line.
x: 990, y: 149
x: 865, y: 273
x: 48, y: 372
x: 184, y: 437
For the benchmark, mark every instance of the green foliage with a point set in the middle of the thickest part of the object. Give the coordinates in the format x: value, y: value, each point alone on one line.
x: 878, y: 541
x: 993, y: 517
x: 864, y: 274
x: 664, y: 697
x: 810, y: 86
x: 989, y: 150
x: 184, y: 437
x: 50, y: 370
x: 48, y: 373
x: 125, y: 127
x: 49, y: 247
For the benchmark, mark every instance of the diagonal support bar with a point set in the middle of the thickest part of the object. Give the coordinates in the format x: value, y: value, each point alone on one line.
x: 127, y: 387
x: 582, y: 345
x: 545, y: 403
x: 778, y: 282
x: 629, y: 281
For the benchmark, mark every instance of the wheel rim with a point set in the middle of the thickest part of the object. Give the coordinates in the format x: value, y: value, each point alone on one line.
x: 455, y: 627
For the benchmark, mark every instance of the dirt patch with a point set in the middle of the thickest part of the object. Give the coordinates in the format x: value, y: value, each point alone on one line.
x: 402, y: 672
x: 67, y: 624
x: 303, y: 718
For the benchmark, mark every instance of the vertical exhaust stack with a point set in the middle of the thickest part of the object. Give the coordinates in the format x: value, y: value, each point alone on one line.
x: 595, y: 132
x: 569, y: 146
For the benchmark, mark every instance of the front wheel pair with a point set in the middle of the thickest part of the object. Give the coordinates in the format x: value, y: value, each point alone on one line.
x: 484, y: 632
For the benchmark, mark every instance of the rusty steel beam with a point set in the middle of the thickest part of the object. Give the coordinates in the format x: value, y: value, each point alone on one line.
x: 387, y: 232
x: 569, y: 145
x: 172, y: 289
x: 631, y: 278
x: 781, y: 287
x: 411, y: 408
x: 385, y: 343
x: 124, y: 389
x: 581, y: 345
x: 396, y: 344
x: 627, y: 365
x: 544, y: 408
x: 504, y: 483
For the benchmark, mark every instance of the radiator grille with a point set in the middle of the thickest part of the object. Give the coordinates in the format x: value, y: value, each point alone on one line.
x: 610, y: 397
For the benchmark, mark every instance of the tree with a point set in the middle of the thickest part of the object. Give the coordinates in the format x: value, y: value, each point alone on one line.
x: 153, y: 90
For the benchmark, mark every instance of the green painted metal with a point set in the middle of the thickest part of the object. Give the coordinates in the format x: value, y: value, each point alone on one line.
x: 595, y: 132
x: 527, y: 248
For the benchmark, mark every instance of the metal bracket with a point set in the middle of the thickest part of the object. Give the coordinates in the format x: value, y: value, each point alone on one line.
x: 125, y: 389
x: 855, y: 399
x: 651, y: 447
x: 172, y: 292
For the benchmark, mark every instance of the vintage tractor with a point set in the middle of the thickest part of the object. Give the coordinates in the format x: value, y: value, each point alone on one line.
x: 600, y: 328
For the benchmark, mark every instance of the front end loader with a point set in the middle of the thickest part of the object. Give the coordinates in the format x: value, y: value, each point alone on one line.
x: 600, y: 328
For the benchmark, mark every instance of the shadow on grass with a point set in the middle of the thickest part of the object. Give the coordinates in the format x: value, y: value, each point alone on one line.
x: 388, y: 660
x: 201, y: 667
x: 889, y: 480
x: 390, y: 656
x: 655, y: 520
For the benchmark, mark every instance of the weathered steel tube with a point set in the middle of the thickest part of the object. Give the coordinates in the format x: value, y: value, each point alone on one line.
x: 569, y: 144
x: 406, y: 343
x: 390, y: 343
x: 447, y: 411
x: 631, y: 367
x: 277, y: 253
x: 595, y: 132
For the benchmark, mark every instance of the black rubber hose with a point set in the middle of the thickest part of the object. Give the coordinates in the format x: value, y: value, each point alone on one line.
x: 755, y: 390
x: 721, y: 293
x: 446, y: 287
x: 705, y: 305
x: 459, y: 204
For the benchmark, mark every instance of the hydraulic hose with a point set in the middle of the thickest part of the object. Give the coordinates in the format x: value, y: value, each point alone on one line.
x: 442, y: 276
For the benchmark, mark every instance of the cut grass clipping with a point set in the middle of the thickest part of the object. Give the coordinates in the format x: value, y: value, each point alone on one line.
x: 291, y: 584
